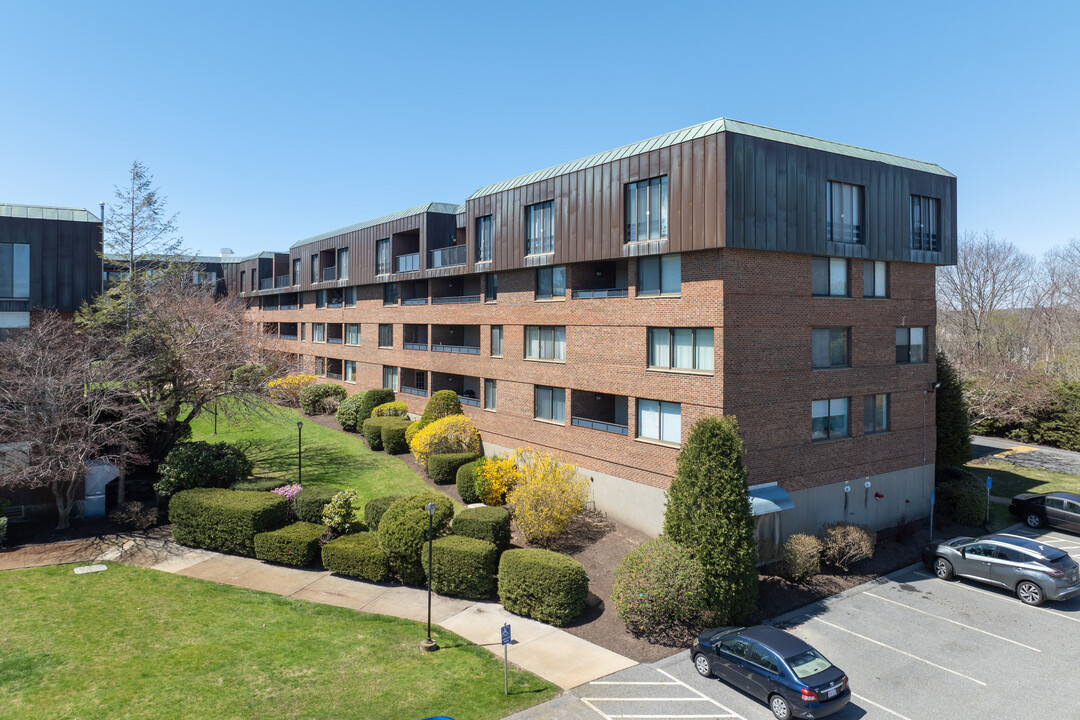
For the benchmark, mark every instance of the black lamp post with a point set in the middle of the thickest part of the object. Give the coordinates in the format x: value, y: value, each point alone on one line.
x: 215, y: 417
x: 299, y: 451
x: 429, y: 644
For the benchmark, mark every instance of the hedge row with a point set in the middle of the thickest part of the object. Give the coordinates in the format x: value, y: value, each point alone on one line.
x: 309, y: 503
x: 543, y: 585
x: 466, y: 482
x: 225, y: 520
x: 357, y: 555
x: 296, y: 544
x: 464, y: 566
x: 387, y: 433
x: 484, y: 523
x: 443, y: 469
x: 259, y: 485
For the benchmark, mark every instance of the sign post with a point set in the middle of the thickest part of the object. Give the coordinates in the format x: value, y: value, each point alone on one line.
x: 989, y: 483
x: 932, y: 514
x: 506, y: 663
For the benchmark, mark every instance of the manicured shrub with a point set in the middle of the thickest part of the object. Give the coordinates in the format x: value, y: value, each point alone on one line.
x: 466, y: 482
x: 375, y: 508
x: 658, y: 584
x: 410, y: 432
x: 963, y: 497
x: 375, y: 430
x: 372, y: 428
x: 339, y: 514
x: 296, y: 544
x: 495, y: 477
x: 708, y: 512
x: 322, y: 398
x: 289, y: 492
x: 390, y: 409
x: 373, y: 399
x: 403, y: 531
x: 202, y: 465
x: 549, y: 494
x: 308, y: 504
x: 259, y: 485
x: 843, y: 544
x: 484, y: 523
x: 357, y: 555
x: 286, y: 390
x: 393, y: 435
x: 251, y: 374
x: 453, y: 434
x: 443, y: 468
x: 464, y: 566
x: 443, y: 403
x: 224, y: 520
x: 133, y: 515
x: 799, y: 557
x: 348, y: 412
x: 543, y: 585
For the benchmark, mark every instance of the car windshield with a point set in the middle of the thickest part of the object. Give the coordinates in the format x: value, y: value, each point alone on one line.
x: 807, y: 663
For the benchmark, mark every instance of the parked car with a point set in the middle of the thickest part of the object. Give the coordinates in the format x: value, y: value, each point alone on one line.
x: 792, y: 678
x: 1059, y: 510
x: 1033, y: 570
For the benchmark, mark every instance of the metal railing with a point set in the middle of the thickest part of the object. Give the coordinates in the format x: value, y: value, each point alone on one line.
x: 408, y: 263
x: 415, y: 346
x: 415, y: 301
x: 598, y: 425
x: 461, y: 349
x: 445, y: 257
x: 329, y: 274
x: 334, y: 303
x: 455, y: 299
x: 334, y: 341
x: 288, y: 307
x: 266, y: 283
x: 283, y: 336
x: 608, y: 293
x: 414, y: 391
x: 465, y: 400
x: 281, y: 281
x: 333, y: 375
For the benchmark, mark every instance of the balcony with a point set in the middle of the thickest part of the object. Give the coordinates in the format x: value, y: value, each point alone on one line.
x: 416, y: 346
x: 407, y: 263
x: 414, y: 391
x: 466, y: 400
x: 415, y: 301
x: 329, y: 274
x: 600, y: 411
x: 333, y: 375
x: 466, y: 387
x: 446, y: 257
x: 600, y: 279
x: 459, y: 349
x: 281, y: 281
x: 455, y: 299
x: 608, y: 293
x: 266, y: 283
x: 599, y: 425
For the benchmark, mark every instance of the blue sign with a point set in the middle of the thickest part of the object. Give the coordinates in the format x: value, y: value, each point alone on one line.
x: 506, y: 634
x: 932, y: 497
x: 989, y: 482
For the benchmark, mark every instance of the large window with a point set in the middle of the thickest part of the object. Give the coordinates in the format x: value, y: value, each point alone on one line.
x: 315, y: 268
x: 875, y: 279
x: 14, y: 270
x: 539, y: 228
x: 491, y: 287
x: 352, y: 333
x: 320, y: 366
x: 386, y: 335
x: 830, y: 347
x: 830, y: 276
x: 925, y: 221
x: 489, y: 394
x: 551, y: 282
x: 296, y: 271
x: 318, y: 332
x: 483, y: 238
x: 343, y: 263
x: 660, y: 275
x: 320, y: 298
x: 657, y: 420
x: 829, y: 419
x: 350, y: 296
x: 647, y: 209
x: 391, y: 294
x: 550, y: 403
x: 496, y: 340
x: 681, y: 348
x: 545, y: 342
x: 243, y: 277
x: 910, y: 345
x: 876, y: 413
x: 382, y: 257
x: 390, y: 378
x: 845, y: 212
x: 350, y: 371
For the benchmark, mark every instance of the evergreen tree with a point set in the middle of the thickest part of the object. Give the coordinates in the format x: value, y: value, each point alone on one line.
x: 953, y: 429
x: 708, y: 511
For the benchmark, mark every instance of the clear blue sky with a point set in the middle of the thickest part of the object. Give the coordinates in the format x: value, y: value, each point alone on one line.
x: 268, y: 122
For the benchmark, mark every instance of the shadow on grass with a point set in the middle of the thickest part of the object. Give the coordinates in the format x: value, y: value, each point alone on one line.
x: 1007, y: 483
x: 323, y: 463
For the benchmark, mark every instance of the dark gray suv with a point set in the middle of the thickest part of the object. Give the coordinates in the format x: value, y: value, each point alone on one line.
x: 1033, y: 570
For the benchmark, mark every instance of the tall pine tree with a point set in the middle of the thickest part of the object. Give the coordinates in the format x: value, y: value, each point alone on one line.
x: 953, y: 428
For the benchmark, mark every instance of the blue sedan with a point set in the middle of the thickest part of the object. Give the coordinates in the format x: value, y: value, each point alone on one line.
x: 792, y: 678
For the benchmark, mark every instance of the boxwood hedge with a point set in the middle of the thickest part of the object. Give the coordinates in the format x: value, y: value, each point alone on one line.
x: 309, y: 502
x: 373, y: 429
x: 466, y: 482
x: 393, y: 435
x: 225, y: 520
x: 463, y: 566
x: 261, y: 485
x: 443, y: 468
x: 357, y: 555
x: 403, y: 531
x: 543, y: 585
x: 373, y: 399
x: 296, y: 544
x: 484, y: 523
x: 375, y: 508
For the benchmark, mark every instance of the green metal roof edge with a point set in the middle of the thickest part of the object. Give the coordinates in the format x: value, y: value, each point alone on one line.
x: 435, y: 207
x: 47, y: 212
x: 711, y: 127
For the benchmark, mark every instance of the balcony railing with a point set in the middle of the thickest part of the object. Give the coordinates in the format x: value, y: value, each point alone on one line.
x: 408, y: 263
x: 266, y: 283
x: 333, y: 341
x: 608, y: 293
x: 598, y: 425
x: 445, y: 257
x: 294, y: 306
x: 334, y: 303
x: 460, y: 349
x: 455, y: 299
x: 329, y: 274
x: 333, y: 375
x: 415, y: 346
x: 283, y: 336
x: 414, y: 391
x: 465, y: 400
x: 415, y: 301
x: 281, y: 281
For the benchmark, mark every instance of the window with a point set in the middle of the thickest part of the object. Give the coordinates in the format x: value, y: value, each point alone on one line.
x: 551, y: 282
x: 390, y: 378
x: 830, y: 347
x: 350, y: 297
x: 343, y: 263
x: 539, y: 228
x: 320, y: 298
x: 647, y: 210
x: 243, y: 277
x: 483, y: 238
x: 320, y: 366
x: 382, y: 257
x: 386, y: 335
x: 489, y: 394
x: 491, y: 287
x: 350, y: 371
x: 660, y: 275
x: 875, y: 279
x: 14, y: 270
x: 496, y: 340
x: 658, y: 420
x: 681, y: 348
x: 318, y: 332
x: 545, y: 342
x: 315, y: 268
x: 830, y: 277
x: 763, y: 658
x: 391, y: 294
x: 829, y: 419
x: 910, y: 345
x: 844, y: 213
x: 876, y: 413
x: 302, y: 325
x: 550, y: 403
x: 352, y: 333
x: 925, y: 219
x: 296, y: 271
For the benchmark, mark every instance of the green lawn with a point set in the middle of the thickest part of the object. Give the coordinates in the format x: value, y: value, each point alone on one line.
x: 136, y: 643
x: 330, y: 457
x: 1009, y: 479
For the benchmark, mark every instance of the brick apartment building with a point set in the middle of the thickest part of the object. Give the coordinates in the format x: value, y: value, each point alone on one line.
x: 599, y: 308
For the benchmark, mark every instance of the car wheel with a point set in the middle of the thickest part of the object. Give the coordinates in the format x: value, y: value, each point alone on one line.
x: 1033, y: 520
x: 704, y: 667
x: 942, y: 568
x: 779, y: 707
x: 1029, y: 593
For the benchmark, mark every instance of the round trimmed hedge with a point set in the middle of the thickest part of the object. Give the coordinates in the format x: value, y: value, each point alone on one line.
x: 543, y: 585
x: 659, y: 584
x: 403, y: 531
x: 357, y: 555
x: 484, y: 523
x: 374, y: 509
x: 308, y: 504
x: 466, y: 482
x: 393, y: 435
x: 464, y: 566
x: 373, y: 399
x: 443, y: 468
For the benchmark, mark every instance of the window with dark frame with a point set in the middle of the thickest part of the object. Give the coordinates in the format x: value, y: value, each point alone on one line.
x: 320, y: 366
x: 315, y: 268
x: 876, y: 413
x: 545, y: 342
x: 391, y: 294
x: 320, y: 299
x: 318, y: 332
x: 540, y: 228
x: 875, y: 279
x: 829, y: 277
x: 343, y: 263
x: 550, y: 403
x: 382, y: 257
x: 350, y: 296
x: 352, y: 333
x: 844, y: 214
x: 647, y: 209
x: 296, y: 271
x: 243, y: 277
x: 659, y: 275
x: 925, y: 223
x: 491, y: 287
x: 551, y: 282
x: 681, y: 348
x: 350, y: 371
x: 386, y: 335
x: 830, y: 347
x: 910, y: 345
x: 829, y: 419
x: 483, y: 238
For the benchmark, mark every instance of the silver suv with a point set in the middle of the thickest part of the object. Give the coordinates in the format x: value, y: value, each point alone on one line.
x: 1033, y: 570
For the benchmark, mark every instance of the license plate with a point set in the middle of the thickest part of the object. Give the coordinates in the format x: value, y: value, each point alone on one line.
x: 832, y: 693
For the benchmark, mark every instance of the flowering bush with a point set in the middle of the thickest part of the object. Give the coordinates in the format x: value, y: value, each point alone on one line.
x: 289, y: 492
x: 658, y: 584
x: 338, y: 514
x: 495, y: 477
x: 452, y: 434
x: 549, y: 493
x: 287, y: 389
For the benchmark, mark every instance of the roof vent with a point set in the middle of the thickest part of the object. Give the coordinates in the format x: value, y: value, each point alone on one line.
x: 227, y: 252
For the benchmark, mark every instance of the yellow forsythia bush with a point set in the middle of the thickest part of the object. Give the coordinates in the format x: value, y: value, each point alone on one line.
x: 549, y: 494
x: 453, y: 434
x: 287, y: 389
x: 495, y: 477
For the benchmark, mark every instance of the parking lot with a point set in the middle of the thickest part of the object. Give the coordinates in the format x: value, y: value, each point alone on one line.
x: 914, y: 648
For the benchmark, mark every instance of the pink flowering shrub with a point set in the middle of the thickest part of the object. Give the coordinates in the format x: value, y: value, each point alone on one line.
x: 289, y: 492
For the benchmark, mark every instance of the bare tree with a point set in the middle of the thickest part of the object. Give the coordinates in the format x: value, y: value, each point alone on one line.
x: 70, y: 399
x: 137, y: 225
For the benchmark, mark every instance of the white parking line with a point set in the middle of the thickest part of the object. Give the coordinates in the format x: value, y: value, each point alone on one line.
x: 725, y: 711
x: 880, y: 707
x: 636, y: 682
x: 954, y: 622
x: 1009, y: 599
x: 902, y: 652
